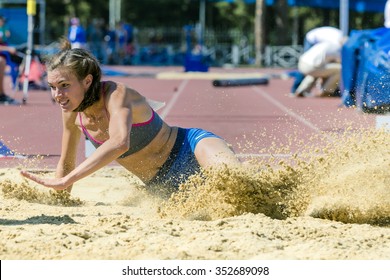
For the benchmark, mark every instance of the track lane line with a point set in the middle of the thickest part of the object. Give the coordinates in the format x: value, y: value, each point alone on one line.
x: 174, y: 99
x: 285, y: 109
x: 254, y: 155
x: 290, y: 112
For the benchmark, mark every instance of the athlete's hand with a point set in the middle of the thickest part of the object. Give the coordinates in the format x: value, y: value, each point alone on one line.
x: 54, y: 183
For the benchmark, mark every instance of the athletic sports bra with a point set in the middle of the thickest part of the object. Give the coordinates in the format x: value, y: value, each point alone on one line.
x: 141, y: 134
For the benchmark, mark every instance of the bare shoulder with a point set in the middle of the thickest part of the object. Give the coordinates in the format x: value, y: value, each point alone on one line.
x: 118, y: 90
x: 119, y: 96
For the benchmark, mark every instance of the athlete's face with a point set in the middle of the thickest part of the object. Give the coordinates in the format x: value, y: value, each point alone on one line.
x: 66, y: 89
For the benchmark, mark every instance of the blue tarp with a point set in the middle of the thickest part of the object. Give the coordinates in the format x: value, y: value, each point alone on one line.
x: 232, y: 1
x: 355, y: 5
x: 365, y: 73
x: 5, y: 151
x: 16, y: 20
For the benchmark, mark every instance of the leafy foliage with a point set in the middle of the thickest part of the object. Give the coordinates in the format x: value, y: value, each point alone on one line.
x: 280, y: 19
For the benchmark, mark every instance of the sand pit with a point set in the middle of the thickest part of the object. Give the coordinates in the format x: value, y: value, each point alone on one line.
x: 333, y: 204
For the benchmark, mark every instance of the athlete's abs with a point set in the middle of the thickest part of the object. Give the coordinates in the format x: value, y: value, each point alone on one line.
x: 146, y: 162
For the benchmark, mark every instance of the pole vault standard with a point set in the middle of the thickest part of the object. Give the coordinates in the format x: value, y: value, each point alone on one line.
x: 31, y: 11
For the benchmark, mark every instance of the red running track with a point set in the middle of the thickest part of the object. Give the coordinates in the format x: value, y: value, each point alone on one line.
x: 251, y: 118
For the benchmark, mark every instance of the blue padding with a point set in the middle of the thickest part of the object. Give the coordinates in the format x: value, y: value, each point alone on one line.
x: 17, y: 22
x: 112, y: 72
x: 5, y: 151
x: 353, y: 56
x: 373, y: 81
x: 356, y: 5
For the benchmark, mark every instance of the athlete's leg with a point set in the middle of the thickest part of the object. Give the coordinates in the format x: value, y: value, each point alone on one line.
x: 212, y: 151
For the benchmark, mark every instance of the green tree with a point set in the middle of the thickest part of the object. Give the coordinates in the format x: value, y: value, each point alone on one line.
x: 282, y: 24
x: 58, y: 14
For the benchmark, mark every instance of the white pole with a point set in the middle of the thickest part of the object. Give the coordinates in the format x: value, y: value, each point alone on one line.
x: 202, y: 21
x: 344, y: 17
x: 31, y: 11
x: 114, y: 12
x: 118, y: 10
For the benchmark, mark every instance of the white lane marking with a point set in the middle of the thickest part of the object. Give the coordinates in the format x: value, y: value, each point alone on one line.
x: 285, y: 109
x: 264, y: 155
x: 174, y: 98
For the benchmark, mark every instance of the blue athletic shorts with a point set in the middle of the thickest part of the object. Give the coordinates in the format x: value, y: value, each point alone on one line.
x: 181, y: 162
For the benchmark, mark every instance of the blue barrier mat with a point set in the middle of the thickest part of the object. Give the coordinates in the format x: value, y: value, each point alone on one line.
x: 5, y: 151
x: 112, y: 72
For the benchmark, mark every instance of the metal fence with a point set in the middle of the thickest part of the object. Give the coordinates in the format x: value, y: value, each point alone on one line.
x: 282, y: 56
x: 168, y: 46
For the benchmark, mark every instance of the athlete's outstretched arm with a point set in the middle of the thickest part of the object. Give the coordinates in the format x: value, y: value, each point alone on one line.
x: 119, y: 108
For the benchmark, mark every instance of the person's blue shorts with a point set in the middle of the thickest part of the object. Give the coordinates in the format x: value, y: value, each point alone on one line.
x: 181, y: 162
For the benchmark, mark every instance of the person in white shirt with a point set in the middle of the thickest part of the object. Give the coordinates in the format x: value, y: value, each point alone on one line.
x: 322, y: 61
x: 312, y: 38
x: 322, y: 34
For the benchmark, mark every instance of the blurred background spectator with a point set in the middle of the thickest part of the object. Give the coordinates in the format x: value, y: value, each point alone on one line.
x: 77, y: 35
x: 313, y: 37
x: 4, y: 31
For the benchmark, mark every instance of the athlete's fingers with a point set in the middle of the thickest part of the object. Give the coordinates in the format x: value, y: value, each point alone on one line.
x: 55, y: 183
x: 28, y: 175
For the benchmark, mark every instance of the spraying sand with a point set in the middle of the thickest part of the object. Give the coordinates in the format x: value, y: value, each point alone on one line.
x: 321, y: 203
